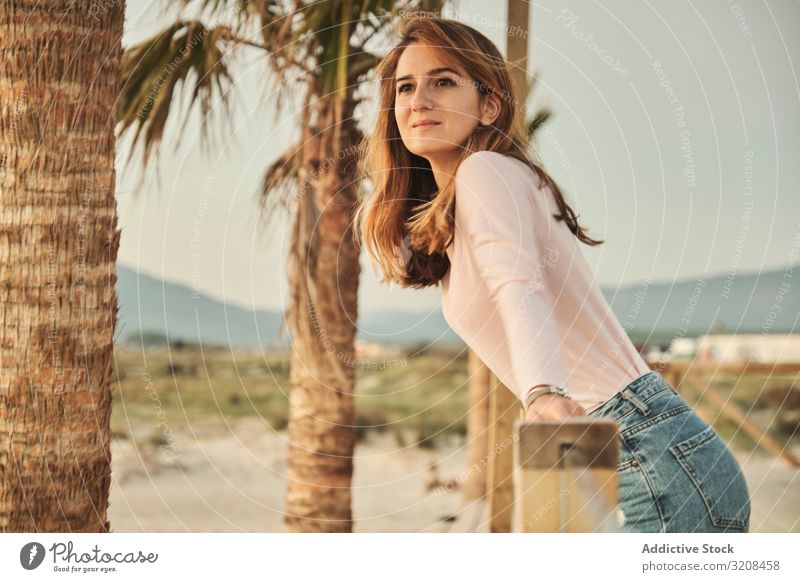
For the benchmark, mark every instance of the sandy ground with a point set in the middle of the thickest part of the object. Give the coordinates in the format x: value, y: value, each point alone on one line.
x: 233, y: 481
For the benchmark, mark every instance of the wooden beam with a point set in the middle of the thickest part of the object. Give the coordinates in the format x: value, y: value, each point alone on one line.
x: 504, y: 408
x: 480, y: 379
x: 737, y: 368
x: 517, y: 45
x: 566, y: 478
x: 734, y: 413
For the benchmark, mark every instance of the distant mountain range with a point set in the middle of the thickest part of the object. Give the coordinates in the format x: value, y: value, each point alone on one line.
x: 156, y: 311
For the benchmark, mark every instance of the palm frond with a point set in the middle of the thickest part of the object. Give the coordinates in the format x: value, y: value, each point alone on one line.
x: 537, y: 121
x: 186, y: 53
x: 278, y: 189
x: 538, y: 118
x: 234, y: 12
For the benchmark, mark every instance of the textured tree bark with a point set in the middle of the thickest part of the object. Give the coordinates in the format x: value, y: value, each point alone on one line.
x: 58, y: 242
x: 324, y: 273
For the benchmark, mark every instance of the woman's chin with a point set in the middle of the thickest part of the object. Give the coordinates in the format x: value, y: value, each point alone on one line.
x: 431, y: 149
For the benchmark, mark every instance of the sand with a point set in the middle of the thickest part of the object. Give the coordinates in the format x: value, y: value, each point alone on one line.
x: 233, y: 481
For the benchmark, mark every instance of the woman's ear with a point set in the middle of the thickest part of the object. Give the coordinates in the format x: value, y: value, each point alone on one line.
x: 490, y: 108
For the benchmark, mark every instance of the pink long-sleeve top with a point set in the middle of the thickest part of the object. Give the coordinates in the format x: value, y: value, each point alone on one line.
x: 520, y: 293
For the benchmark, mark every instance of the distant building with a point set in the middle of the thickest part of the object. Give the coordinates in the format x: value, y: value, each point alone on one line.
x: 652, y: 353
x: 682, y: 348
x: 756, y: 347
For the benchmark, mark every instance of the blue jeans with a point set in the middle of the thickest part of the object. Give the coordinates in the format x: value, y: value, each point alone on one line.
x: 675, y: 472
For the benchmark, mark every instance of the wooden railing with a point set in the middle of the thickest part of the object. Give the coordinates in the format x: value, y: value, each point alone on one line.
x: 552, y: 476
x: 566, y: 475
x: 697, y: 379
x: 558, y: 476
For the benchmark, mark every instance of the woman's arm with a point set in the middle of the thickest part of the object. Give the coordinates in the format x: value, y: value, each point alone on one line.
x: 496, y: 218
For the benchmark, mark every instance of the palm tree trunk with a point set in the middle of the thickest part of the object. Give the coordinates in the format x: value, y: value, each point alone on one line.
x: 323, y: 275
x: 58, y: 243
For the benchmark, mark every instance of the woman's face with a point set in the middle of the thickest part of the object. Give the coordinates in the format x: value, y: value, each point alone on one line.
x: 429, y: 90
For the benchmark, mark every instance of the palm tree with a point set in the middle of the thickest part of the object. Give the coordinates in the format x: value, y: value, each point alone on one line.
x: 320, y: 48
x: 58, y: 239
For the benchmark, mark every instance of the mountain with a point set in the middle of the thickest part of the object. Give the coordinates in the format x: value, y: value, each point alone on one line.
x: 744, y: 303
x: 152, y: 310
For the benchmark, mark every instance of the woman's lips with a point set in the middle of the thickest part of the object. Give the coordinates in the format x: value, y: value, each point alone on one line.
x: 425, y: 125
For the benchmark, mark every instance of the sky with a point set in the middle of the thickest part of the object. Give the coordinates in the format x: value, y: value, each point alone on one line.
x: 675, y: 136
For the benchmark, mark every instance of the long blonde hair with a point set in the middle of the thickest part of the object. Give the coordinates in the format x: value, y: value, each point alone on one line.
x: 407, y: 224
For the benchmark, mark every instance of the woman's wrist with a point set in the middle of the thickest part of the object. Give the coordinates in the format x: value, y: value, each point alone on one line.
x: 541, y: 390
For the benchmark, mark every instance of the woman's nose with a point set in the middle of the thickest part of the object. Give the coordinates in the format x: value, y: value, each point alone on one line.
x: 420, y: 99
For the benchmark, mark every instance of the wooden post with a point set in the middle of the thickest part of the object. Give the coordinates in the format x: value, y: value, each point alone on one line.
x: 517, y: 44
x: 566, y: 475
x: 500, y: 454
x: 480, y: 379
x: 504, y: 404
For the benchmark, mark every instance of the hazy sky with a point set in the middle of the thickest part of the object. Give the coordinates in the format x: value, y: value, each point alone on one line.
x: 675, y: 136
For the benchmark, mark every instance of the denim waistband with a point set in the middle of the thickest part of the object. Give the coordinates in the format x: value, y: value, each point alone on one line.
x: 634, y: 393
x: 648, y: 384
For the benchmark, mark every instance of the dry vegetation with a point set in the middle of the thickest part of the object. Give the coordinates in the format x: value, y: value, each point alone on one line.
x: 422, y: 393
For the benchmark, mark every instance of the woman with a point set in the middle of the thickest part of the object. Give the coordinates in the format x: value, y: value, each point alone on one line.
x: 458, y: 203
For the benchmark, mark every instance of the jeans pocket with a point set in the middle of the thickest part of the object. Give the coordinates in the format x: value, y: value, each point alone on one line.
x: 715, y: 472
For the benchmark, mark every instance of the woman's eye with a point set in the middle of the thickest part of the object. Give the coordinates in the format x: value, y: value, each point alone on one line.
x: 444, y: 80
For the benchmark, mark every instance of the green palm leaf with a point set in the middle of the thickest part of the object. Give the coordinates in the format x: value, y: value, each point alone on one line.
x: 186, y: 54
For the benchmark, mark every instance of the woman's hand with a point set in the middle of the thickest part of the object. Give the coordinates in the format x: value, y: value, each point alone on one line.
x: 553, y: 407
